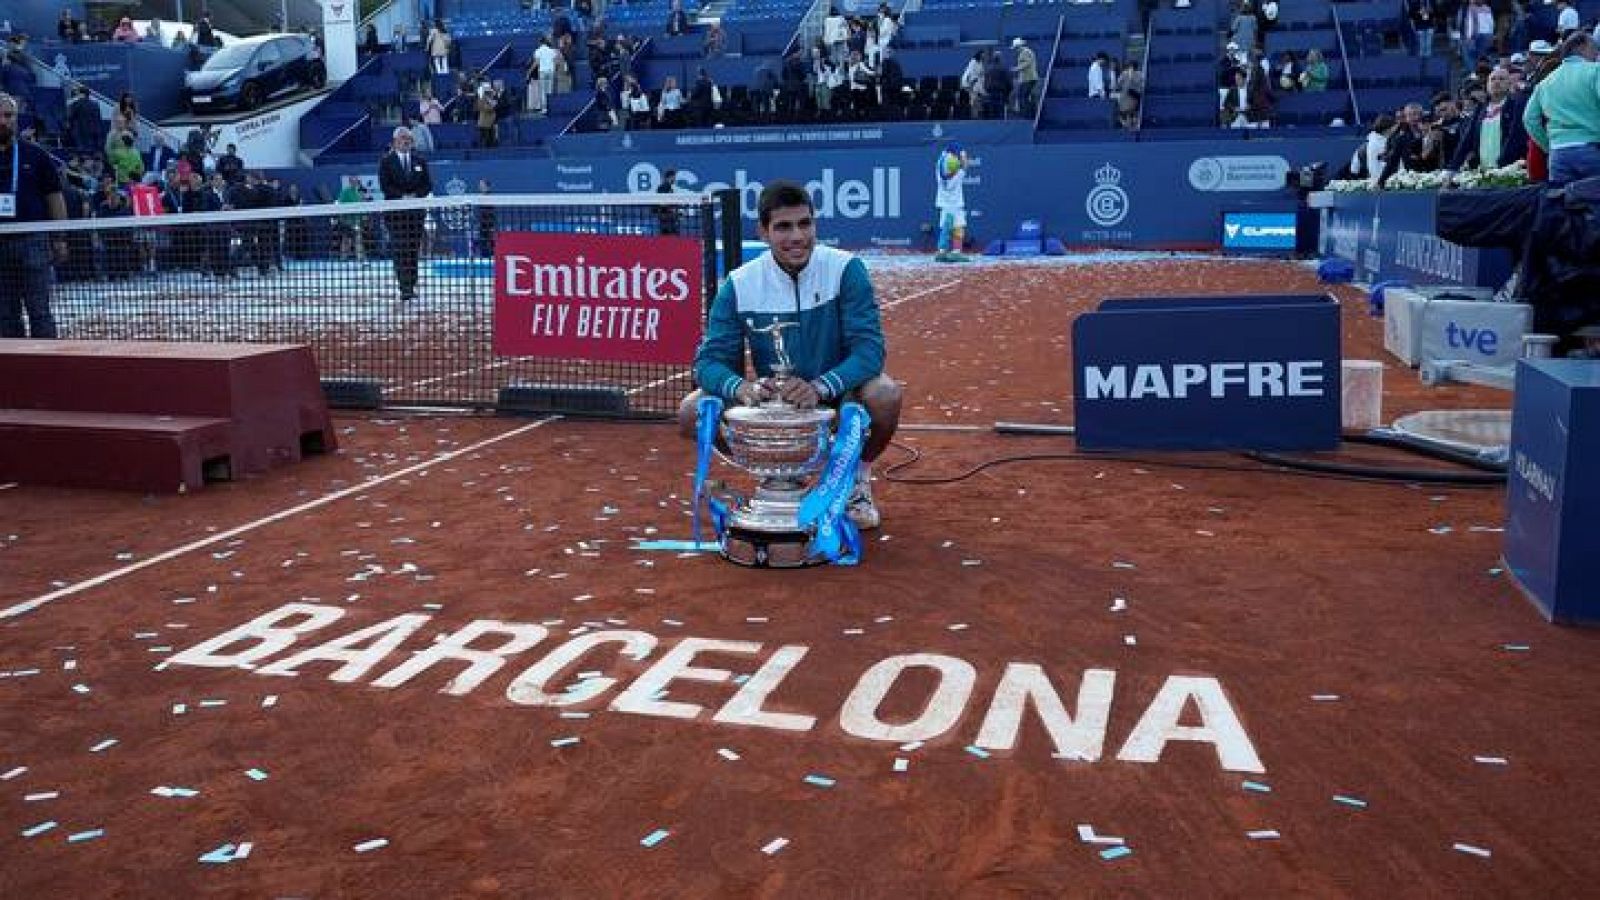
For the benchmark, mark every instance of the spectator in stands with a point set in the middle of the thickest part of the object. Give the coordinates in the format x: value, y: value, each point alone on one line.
x: 715, y: 44
x: 230, y: 166
x: 892, y: 87
x: 1130, y: 92
x: 1258, y: 91
x: 1315, y: 76
x: 1566, y: 19
x: 677, y: 19
x: 403, y: 174
x: 1494, y: 136
x: 636, y: 104
x: 463, y: 106
x: 1287, y: 73
x: 972, y: 80
x: 421, y: 134
x: 160, y: 157
x: 669, y: 112
x: 203, y: 33
x: 128, y: 106
x: 605, y: 105
x: 1100, y: 84
x: 888, y: 27
x: 702, y: 99
x: 439, y: 43
x: 1243, y: 30
x: 369, y: 40
x: 542, y: 71
x: 1477, y: 31
x: 836, y: 35
x: 68, y: 28
x: 792, y: 85
x: 400, y: 41
x: 1403, y: 150
x: 126, y: 162
x: 154, y: 34
x: 826, y: 79
x: 194, y: 149
x: 1424, y: 17
x: 1026, y: 72
x: 1236, y: 99
x: 863, y: 81
x: 125, y: 32
x: 1563, y: 114
x: 193, y: 56
x: 121, y: 253
x: 667, y: 216
x: 1369, y: 157
x: 429, y: 109
x: 348, y: 228
x: 487, y: 106
x: 31, y: 178
x: 83, y: 120
x: 565, y: 64
x: 996, y: 85
x: 764, y: 88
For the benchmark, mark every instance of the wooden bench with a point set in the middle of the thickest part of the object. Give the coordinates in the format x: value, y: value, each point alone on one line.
x: 155, y: 416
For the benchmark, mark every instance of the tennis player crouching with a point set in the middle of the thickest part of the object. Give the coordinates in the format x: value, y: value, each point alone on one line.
x: 837, y: 349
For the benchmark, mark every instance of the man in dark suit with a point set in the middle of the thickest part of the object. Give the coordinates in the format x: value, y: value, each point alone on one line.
x: 402, y: 174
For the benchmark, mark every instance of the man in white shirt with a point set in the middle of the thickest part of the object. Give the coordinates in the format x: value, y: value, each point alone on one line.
x: 1099, y: 82
x: 547, y: 58
x: 836, y: 34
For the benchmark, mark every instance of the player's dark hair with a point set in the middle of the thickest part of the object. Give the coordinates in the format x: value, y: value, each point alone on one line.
x: 779, y: 195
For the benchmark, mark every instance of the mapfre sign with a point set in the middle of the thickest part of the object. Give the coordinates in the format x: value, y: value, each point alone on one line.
x: 597, y: 297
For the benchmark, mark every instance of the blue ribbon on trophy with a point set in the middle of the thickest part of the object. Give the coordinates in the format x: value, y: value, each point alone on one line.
x: 710, y: 413
x: 835, y: 538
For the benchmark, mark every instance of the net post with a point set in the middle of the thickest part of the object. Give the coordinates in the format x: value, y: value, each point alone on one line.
x: 732, y: 230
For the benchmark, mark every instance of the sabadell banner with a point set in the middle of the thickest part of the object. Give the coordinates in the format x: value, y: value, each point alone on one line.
x: 1168, y: 194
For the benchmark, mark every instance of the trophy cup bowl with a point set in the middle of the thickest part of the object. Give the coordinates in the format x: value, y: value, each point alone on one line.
x: 783, y: 446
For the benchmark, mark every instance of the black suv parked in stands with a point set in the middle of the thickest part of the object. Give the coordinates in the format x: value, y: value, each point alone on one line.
x: 251, y: 71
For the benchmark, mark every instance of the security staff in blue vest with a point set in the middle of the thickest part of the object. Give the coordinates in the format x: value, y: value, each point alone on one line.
x: 30, y: 191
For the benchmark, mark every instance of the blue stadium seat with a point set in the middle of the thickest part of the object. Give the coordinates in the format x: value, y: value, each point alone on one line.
x: 1315, y: 108
x: 1298, y: 42
x: 1077, y: 113
x: 1182, y: 78
x: 1180, y: 110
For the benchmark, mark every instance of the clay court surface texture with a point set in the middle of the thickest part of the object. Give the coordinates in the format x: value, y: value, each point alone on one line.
x: 1177, y: 676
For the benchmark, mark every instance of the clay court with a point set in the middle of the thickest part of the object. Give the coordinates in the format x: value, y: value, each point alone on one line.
x: 1420, y: 729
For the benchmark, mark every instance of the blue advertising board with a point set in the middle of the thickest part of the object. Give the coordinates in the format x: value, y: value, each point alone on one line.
x: 152, y: 74
x: 1390, y: 236
x: 865, y: 135
x: 1164, y: 195
x: 1208, y: 373
x: 1553, y: 488
x: 1258, y: 231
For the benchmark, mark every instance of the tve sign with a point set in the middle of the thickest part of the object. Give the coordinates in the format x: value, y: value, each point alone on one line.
x: 618, y: 298
x: 1208, y: 373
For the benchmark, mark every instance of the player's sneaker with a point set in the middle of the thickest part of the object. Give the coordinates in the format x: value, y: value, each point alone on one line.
x: 860, y: 508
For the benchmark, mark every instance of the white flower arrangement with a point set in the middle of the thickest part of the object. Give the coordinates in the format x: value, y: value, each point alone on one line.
x: 1507, y: 176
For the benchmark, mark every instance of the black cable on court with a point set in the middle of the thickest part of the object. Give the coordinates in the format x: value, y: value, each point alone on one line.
x: 1477, y: 475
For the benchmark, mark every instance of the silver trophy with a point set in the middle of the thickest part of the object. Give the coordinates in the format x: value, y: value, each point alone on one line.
x: 785, y: 447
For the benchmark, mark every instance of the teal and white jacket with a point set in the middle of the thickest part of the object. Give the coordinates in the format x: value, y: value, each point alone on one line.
x: 838, y: 345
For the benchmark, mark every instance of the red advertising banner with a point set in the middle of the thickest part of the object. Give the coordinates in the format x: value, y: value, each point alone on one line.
x: 617, y: 298
x: 146, y: 199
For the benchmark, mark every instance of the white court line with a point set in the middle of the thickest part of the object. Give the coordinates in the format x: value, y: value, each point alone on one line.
x: 472, y: 371
x: 31, y: 605
x: 890, y: 304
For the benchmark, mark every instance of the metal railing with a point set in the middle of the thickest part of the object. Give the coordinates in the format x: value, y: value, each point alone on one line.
x: 1344, y: 64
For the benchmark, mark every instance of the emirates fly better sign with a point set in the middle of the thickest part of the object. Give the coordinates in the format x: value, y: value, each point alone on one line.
x: 597, y: 297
